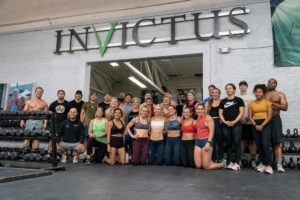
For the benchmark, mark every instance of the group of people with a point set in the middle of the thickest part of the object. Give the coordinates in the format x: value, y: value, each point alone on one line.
x: 190, y: 134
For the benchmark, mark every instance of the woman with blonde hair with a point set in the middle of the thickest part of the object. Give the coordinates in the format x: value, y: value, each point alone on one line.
x: 165, y: 105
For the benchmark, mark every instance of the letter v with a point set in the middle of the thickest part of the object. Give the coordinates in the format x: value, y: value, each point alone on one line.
x: 103, y: 48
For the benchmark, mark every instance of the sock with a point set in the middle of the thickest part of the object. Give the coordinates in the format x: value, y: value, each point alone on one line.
x: 253, y: 156
x: 278, y: 160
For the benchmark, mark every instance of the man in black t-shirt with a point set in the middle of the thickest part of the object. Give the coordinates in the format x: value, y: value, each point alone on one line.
x: 105, y: 104
x: 60, y: 107
x: 77, y: 102
x: 231, y: 111
x: 179, y: 107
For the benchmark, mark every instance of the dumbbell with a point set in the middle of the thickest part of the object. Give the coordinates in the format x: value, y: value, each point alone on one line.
x: 14, y: 155
x: 27, y: 132
x: 37, y: 157
x: 1, y: 131
x: 13, y: 112
x: 21, y: 113
x: 12, y: 132
x: 46, y: 158
x: 43, y: 151
x: 292, y: 148
x: 46, y: 133
x: 20, y: 132
x: 26, y: 157
x: 35, y: 133
x: 2, y: 155
x: 291, y: 164
x: 25, y: 150
x: 7, y: 131
x: 7, y: 155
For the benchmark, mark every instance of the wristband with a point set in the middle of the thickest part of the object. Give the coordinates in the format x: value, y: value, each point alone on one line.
x: 208, y: 141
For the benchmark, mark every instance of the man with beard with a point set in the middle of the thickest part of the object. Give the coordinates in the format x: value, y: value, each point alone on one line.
x: 105, y: 104
x: 279, y: 102
x: 77, y: 103
x: 179, y: 107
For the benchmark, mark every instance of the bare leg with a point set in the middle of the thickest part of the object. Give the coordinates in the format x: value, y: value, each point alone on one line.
x: 26, y: 143
x: 112, y: 156
x: 197, y: 157
x: 36, y: 144
x: 252, y: 147
x: 242, y: 145
x: 278, y: 151
x: 122, y: 156
x: 85, y: 142
x: 206, y: 160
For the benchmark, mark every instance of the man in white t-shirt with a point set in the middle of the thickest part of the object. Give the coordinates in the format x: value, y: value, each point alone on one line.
x: 247, y: 134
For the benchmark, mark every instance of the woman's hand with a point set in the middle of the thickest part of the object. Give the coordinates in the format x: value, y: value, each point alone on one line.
x: 206, y: 147
x: 108, y: 148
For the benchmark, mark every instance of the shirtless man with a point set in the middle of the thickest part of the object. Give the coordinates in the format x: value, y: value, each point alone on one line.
x: 35, y: 104
x: 279, y: 102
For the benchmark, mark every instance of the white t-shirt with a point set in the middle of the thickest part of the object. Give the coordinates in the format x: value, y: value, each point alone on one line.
x: 247, y: 99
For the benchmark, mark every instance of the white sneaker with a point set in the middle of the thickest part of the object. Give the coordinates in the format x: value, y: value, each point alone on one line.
x: 230, y: 166
x: 63, y: 159
x: 261, y: 168
x: 236, y: 167
x: 269, y: 170
x: 75, y: 159
x: 280, y: 168
x: 127, y: 158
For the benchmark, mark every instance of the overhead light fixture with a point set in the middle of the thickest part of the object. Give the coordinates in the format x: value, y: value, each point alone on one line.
x: 114, y: 64
x: 137, y: 82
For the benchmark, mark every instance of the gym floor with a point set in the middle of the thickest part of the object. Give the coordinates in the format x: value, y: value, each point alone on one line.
x: 100, y: 181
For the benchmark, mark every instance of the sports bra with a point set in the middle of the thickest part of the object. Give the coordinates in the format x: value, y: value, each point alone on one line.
x: 214, y: 111
x: 189, y: 128
x: 202, y: 129
x: 158, y: 124
x: 115, y: 130
x: 140, y: 125
x: 173, y: 125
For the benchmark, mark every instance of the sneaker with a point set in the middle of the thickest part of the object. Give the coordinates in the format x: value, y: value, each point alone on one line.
x: 230, y: 166
x: 236, y: 167
x: 75, y: 159
x: 280, y: 168
x: 224, y: 163
x: 87, y: 162
x: 261, y: 168
x: 253, y: 164
x: 269, y: 170
x: 63, y: 159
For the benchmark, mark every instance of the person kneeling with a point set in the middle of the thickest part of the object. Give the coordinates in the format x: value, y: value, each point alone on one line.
x: 72, y: 132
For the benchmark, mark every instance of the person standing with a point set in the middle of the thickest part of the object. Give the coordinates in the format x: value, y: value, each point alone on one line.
x: 260, y: 114
x: 179, y: 107
x: 88, y: 111
x: 35, y: 104
x: 105, y: 104
x: 127, y: 106
x: 165, y: 107
x: 231, y: 111
x: 191, y: 103
x: 169, y: 94
x: 77, y: 102
x: 210, y: 89
x: 247, y: 134
x: 279, y: 102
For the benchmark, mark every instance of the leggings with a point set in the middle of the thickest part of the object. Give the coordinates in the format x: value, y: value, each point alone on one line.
x: 187, y: 153
x: 156, y: 148
x: 140, y: 151
x: 232, y: 135
x: 100, y: 152
x: 172, y: 148
x: 263, y: 141
x: 218, y: 141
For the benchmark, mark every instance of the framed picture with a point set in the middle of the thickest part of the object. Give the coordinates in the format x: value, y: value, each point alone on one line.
x: 18, y: 96
x: 3, y: 94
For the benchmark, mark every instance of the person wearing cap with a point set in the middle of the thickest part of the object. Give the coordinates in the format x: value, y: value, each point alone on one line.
x: 246, y: 124
x: 106, y: 103
x: 77, y: 102
x: 87, y: 113
x: 210, y: 90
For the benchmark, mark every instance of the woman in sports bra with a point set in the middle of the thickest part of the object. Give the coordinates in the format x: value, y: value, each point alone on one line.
x: 115, y: 138
x: 140, y: 143
x: 188, y: 129
x: 212, y: 108
x: 97, y: 137
x: 156, y: 143
x: 165, y: 104
x: 203, y: 142
x: 172, y: 148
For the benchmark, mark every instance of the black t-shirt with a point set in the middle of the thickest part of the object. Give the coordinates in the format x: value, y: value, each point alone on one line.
x: 71, y: 131
x: 231, y: 108
x: 77, y: 106
x: 179, y: 109
x: 132, y: 115
x: 104, y: 106
x: 61, y: 110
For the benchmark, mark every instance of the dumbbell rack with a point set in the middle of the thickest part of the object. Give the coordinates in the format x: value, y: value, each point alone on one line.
x: 28, y: 116
x: 286, y: 140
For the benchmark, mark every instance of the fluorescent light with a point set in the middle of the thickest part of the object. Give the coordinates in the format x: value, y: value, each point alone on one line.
x: 114, y: 64
x: 137, y: 82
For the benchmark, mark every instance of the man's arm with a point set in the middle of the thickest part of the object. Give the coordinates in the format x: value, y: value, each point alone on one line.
x: 26, y: 108
x: 283, y: 104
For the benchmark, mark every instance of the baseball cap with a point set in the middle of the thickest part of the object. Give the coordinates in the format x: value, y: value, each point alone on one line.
x: 243, y: 83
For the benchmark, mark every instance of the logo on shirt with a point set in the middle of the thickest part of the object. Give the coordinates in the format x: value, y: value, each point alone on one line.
x: 228, y: 104
x: 60, y: 109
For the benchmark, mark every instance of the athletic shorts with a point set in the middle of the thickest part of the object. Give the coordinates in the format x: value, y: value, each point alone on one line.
x: 202, y: 142
x: 34, y: 125
x: 247, y: 132
x: 86, y: 131
x: 276, y: 129
x: 65, y: 146
x: 116, y: 142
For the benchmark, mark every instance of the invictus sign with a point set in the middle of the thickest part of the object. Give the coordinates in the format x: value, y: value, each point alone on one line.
x: 125, y: 27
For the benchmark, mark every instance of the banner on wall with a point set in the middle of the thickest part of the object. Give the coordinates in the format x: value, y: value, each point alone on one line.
x: 18, y: 96
x: 286, y: 32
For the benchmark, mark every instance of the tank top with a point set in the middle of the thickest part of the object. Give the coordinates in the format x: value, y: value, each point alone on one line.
x: 189, y: 128
x: 115, y: 130
x: 214, y: 111
x: 140, y: 125
x: 158, y: 124
x: 99, y: 129
x: 173, y: 125
x: 202, y: 129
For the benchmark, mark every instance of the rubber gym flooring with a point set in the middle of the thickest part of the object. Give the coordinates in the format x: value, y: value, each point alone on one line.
x: 100, y: 181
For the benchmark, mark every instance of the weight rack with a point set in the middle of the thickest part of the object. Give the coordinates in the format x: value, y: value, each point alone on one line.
x: 34, y: 115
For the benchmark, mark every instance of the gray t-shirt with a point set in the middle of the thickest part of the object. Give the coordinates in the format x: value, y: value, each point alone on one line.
x: 127, y: 109
x: 247, y: 99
